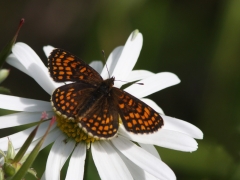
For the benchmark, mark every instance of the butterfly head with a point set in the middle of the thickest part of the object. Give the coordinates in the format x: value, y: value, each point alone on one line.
x: 107, y: 85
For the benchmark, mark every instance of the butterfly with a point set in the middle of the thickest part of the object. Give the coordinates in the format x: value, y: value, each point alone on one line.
x: 95, y: 104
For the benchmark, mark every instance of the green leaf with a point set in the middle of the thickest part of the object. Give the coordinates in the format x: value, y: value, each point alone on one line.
x: 2, y: 153
x: 9, y: 169
x: 4, y: 90
x: 32, y: 156
x: 7, y: 49
x: 24, y: 158
x: 10, y: 151
x: 33, y: 172
x: 25, y: 146
x: 1, y: 174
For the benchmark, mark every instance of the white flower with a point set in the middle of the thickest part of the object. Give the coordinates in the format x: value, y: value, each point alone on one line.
x: 118, y: 158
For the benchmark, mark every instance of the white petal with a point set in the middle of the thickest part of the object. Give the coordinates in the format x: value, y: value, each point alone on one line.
x: 13, y: 61
x: 77, y: 161
x: 128, y: 58
x: 101, y: 162
x: 51, y: 137
x: 164, y: 138
x: 136, y: 75
x: 152, y: 104
x: 2, y: 161
x: 107, y: 162
x: 23, y: 104
x: 117, y: 162
x: 58, y: 155
x: 136, y: 171
x: 70, y: 144
x: 28, y: 51
x: 153, y: 84
x: 36, y: 69
x: 97, y: 65
x: 143, y: 159
x: 151, y: 149
x: 111, y: 62
x: 178, y: 125
x: 20, y: 137
x: 43, y: 176
x: 17, y: 119
x: 53, y: 166
x: 47, y: 50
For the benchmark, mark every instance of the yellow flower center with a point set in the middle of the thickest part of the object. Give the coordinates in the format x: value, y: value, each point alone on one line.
x: 72, y: 130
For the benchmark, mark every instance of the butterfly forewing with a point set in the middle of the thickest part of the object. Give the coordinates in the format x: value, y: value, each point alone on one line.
x: 64, y: 66
x: 136, y: 116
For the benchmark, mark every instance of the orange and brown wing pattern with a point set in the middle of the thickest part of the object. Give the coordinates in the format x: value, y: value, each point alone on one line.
x: 68, y: 99
x: 102, y: 120
x: 136, y: 116
x: 64, y: 66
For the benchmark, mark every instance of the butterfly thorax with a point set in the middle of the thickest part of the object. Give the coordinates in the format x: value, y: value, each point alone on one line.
x: 106, y: 86
x: 103, y: 90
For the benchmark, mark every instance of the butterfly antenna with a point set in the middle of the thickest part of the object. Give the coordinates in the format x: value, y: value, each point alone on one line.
x: 103, y: 53
x: 129, y: 82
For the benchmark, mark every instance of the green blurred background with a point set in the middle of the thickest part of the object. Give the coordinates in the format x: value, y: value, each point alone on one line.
x: 197, y: 40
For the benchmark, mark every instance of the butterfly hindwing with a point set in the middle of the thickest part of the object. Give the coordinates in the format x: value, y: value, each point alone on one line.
x: 136, y: 116
x: 77, y: 101
x: 64, y: 66
x: 70, y: 98
x: 102, y: 120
